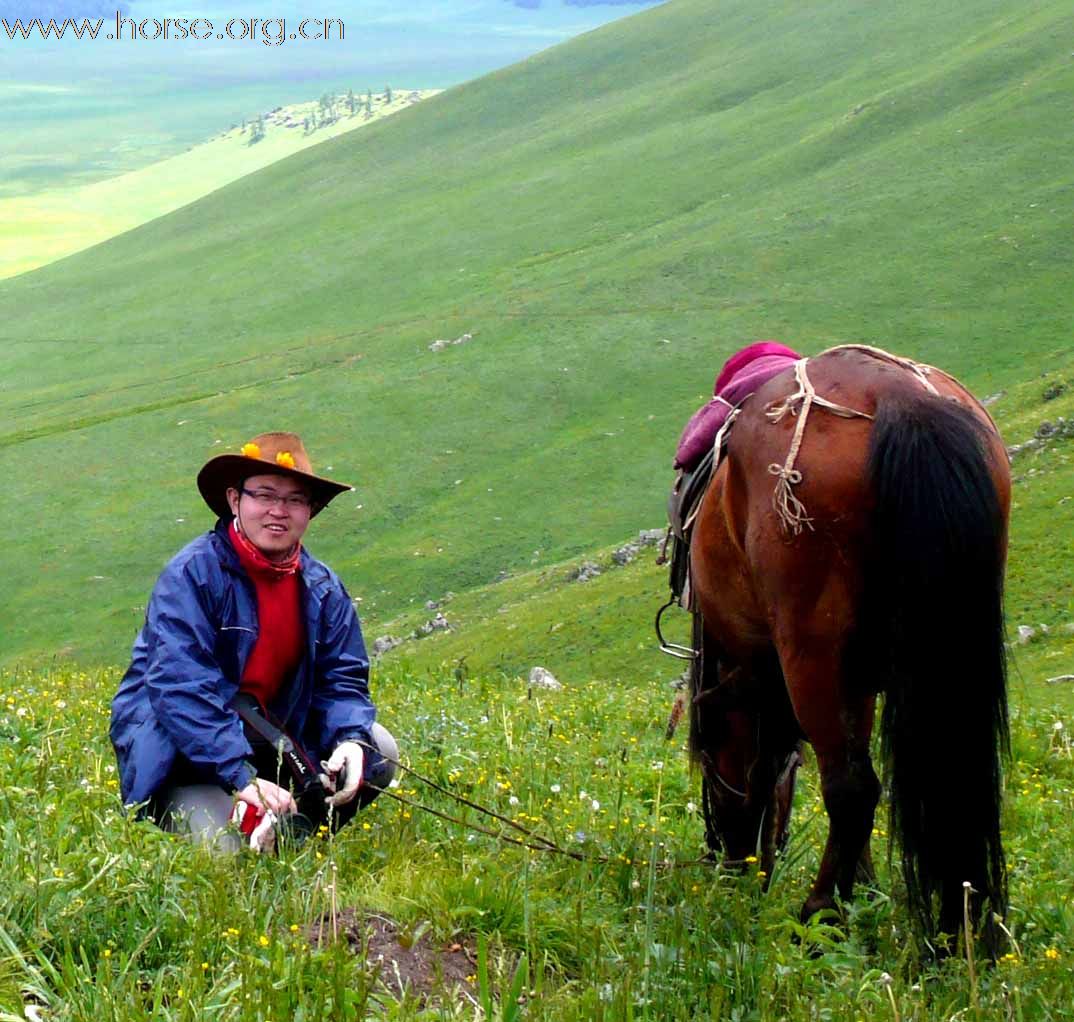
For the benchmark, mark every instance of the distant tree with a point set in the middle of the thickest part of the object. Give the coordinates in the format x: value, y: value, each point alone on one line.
x: 350, y: 101
x: 369, y: 103
x: 306, y: 125
x: 388, y: 93
x: 327, y: 106
x: 257, y: 130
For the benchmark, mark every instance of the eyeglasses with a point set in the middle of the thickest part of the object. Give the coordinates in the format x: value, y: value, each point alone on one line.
x: 270, y: 498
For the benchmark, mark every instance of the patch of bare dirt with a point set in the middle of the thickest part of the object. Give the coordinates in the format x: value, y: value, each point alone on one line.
x: 402, y: 961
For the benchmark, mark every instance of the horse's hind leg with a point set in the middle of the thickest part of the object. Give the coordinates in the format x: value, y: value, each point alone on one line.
x: 851, y: 791
x: 838, y: 725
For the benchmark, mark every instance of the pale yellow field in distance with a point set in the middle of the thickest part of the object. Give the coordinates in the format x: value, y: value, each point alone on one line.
x: 37, y: 229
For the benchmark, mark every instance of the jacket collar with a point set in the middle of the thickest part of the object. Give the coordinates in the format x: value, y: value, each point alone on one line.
x: 230, y: 559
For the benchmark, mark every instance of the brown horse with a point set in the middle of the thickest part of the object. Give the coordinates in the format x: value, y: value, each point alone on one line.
x: 853, y: 543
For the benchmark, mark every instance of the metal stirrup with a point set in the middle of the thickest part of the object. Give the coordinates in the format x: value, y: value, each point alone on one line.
x: 672, y: 648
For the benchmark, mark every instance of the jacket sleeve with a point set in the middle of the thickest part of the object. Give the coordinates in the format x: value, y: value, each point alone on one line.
x: 187, y: 688
x: 341, y: 708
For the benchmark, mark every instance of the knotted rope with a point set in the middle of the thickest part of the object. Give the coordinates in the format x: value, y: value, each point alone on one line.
x: 791, y: 512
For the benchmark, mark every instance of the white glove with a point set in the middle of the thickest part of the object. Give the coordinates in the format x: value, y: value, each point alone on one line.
x: 344, y: 769
x: 257, y: 826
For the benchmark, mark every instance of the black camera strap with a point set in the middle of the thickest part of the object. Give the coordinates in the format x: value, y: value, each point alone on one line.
x: 301, y: 767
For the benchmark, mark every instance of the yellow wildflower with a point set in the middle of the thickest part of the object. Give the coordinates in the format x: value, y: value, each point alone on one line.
x: 1052, y: 953
x: 284, y: 459
x: 250, y: 451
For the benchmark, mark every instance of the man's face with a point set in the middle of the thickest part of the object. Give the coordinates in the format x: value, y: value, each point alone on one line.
x: 273, y: 511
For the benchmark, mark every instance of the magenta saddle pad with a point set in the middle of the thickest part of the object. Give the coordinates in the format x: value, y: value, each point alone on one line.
x: 743, y: 373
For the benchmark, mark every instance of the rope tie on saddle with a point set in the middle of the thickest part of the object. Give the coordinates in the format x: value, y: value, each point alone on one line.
x: 919, y: 370
x: 791, y: 512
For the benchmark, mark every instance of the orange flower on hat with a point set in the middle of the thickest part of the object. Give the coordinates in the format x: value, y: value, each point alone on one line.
x: 285, y: 460
x: 250, y: 451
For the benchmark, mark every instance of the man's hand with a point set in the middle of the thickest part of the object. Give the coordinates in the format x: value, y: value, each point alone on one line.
x: 266, y: 795
x: 344, y: 768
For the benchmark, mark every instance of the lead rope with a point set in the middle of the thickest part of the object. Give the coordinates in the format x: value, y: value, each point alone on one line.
x: 536, y: 842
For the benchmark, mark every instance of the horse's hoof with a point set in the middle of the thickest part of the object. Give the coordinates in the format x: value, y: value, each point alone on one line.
x: 813, y: 905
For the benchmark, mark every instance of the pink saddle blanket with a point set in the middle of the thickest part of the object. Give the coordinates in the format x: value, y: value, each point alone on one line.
x: 741, y: 375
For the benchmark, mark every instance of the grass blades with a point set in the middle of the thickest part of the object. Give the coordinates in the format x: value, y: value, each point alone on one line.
x: 108, y: 917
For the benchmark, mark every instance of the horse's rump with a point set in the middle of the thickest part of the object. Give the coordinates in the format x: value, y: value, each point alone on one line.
x: 747, y: 549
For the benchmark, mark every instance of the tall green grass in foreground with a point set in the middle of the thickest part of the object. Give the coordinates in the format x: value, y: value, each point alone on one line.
x: 107, y: 918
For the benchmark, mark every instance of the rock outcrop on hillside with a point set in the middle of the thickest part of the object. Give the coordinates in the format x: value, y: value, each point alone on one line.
x: 583, y: 572
x: 1047, y: 431
x: 441, y: 343
x: 541, y: 677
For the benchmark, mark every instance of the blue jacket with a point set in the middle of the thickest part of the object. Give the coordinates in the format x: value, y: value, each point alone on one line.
x: 200, y: 627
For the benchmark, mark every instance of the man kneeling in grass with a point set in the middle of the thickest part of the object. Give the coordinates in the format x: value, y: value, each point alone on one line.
x: 250, y: 668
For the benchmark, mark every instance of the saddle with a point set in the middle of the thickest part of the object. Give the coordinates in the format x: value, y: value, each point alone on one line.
x: 687, y: 492
x: 692, y: 482
x: 701, y: 447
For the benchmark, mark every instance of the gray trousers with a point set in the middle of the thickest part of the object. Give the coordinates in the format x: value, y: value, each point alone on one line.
x: 203, y: 811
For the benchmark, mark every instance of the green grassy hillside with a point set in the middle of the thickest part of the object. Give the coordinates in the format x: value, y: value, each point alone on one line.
x: 54, y: 222
x: 603, y: 628
x: 608, y: 220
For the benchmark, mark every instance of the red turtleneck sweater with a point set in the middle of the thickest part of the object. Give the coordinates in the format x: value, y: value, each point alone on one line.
x: 281, y: 632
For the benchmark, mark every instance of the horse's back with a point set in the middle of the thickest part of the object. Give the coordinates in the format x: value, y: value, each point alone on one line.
x: 754, y: 574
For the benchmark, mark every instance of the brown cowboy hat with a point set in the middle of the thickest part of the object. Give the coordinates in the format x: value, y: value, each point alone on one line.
x: 277, y: 453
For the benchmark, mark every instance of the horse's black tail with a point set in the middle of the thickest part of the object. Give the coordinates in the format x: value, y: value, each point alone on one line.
x: 931, y: 634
